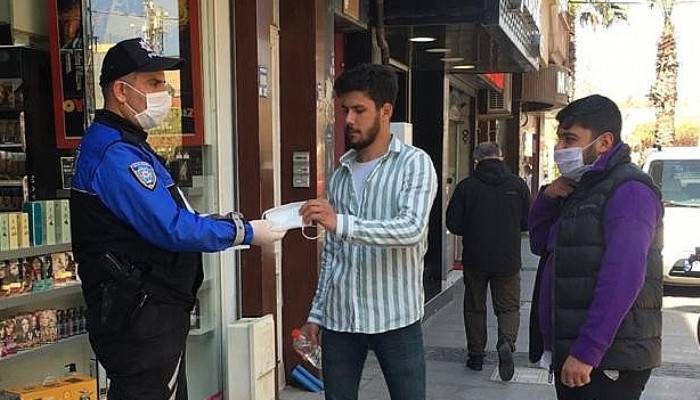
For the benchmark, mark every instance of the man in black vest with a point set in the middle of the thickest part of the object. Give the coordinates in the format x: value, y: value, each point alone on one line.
x: 596, y: 310
x: 489, y: 210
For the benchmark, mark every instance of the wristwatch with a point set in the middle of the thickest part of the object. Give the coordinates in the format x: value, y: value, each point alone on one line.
x: 239, y: 222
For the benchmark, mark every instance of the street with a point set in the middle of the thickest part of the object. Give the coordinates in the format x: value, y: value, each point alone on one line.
x: 449, y: 379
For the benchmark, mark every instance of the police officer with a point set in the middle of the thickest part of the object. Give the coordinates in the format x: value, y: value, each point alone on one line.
x: 136, y: 238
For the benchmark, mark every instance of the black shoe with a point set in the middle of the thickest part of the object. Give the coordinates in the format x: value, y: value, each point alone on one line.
x: 476, y: 363
x: 506, y: 368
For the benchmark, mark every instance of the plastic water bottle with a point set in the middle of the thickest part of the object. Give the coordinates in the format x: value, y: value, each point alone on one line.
x: 309, y: 351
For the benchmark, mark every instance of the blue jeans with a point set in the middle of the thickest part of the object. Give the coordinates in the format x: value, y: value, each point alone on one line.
x: 400, y: 354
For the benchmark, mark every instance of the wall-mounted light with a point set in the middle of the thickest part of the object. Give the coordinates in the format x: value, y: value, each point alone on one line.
x: 422, y: 39
x: 452, y: 59
x: 438, y: 50
x: 464, y: 66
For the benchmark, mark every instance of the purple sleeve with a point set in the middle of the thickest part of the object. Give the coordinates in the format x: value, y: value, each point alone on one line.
x: 543, y: 214
x: 630, y: 220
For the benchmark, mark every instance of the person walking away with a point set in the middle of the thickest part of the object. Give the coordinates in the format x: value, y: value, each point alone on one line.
x: 489, y: 210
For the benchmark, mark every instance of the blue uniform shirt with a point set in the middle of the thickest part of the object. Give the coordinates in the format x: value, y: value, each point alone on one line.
x: 132, y: 183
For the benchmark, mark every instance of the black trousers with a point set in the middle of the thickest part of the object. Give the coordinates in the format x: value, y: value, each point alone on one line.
x: 628, y: 386
x: 147, y: 360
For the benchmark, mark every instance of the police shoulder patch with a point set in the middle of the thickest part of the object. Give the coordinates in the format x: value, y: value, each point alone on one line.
x: 144, y: 174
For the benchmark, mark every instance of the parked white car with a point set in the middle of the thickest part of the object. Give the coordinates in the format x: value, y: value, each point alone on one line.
x: 677, y: 172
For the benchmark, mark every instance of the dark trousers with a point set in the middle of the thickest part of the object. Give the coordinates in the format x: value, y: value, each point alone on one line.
x: 629, y: 386
x: 400, y: 354
x: 505, y: 294
x: 145, y: 361
x: 166, y: 383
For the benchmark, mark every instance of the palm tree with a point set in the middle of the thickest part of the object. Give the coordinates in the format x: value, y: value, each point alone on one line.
x: 664, y: 91
x: 603, y: 13
x: 598, y: 12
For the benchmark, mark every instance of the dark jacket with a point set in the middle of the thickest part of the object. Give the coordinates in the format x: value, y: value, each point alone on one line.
x: 489, y: 210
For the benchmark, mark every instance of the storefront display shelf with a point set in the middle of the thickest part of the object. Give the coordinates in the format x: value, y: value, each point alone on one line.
x: 35, y: 251
x: 37, y: 350
x: 193, y: 191
x: 38, y: 297
x: 10, y: 183
x: 11, y: 145
x: 201, y: 331
x: 205, y: 326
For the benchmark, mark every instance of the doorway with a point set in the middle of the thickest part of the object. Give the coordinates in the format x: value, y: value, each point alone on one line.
x: 458, y: 146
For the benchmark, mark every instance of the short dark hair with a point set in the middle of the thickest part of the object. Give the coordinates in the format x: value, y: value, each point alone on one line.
x: 107, y: 88
x: 378, y: 81
x: 597, y: 113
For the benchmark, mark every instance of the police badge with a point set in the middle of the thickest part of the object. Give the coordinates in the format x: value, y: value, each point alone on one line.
x: 144, y: 173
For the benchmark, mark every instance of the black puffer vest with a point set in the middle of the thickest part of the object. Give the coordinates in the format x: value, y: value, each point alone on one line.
x: 579, y: 251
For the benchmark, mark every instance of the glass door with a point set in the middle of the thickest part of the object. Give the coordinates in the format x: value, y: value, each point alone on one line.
x: 457, y: 158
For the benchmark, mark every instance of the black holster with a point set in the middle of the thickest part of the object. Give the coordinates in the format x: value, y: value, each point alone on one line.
x: 123, y: 294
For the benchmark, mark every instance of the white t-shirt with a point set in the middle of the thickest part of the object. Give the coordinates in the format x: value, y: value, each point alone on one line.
x: 360, y: 173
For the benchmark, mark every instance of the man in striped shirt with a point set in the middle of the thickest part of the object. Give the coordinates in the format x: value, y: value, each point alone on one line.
x: 370, y: 289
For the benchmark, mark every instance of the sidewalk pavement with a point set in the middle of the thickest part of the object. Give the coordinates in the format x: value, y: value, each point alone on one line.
x: 449, y: 379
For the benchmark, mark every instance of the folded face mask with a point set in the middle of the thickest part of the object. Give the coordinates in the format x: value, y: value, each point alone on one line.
x: 286, y: 217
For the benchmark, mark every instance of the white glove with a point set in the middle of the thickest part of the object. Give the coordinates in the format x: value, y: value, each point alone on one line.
x: 263, y: 234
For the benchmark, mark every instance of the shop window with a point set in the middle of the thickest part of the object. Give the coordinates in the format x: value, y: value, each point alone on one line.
x: 86, y: 30
x: 71, y: 68
x: 48, y: 98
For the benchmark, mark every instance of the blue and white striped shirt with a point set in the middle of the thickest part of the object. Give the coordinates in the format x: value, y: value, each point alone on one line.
x: 371, y: 274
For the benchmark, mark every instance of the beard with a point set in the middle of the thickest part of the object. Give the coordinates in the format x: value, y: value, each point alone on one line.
x: 590, y: 155
x: 366, y: 139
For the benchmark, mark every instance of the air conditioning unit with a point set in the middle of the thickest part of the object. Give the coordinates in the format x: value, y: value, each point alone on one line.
x: 495, y: 103
x: 251, y: 359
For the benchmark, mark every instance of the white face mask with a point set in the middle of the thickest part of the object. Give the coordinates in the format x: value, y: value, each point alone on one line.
x: 287, y: 217
x: 157, y: 107
x: 570, y: 162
